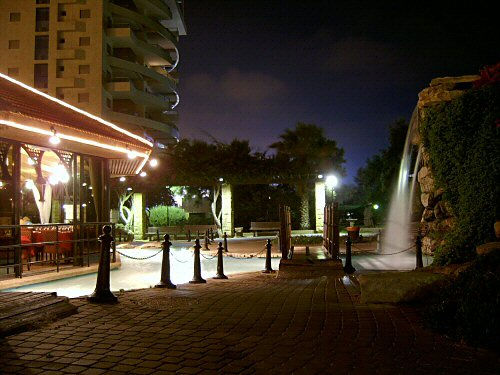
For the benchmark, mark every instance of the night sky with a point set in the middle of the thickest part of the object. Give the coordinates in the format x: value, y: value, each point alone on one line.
x: 250, y: 69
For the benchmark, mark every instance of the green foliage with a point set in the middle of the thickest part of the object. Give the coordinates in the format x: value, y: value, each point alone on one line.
x: 261, y: 202
x: 166, y: 216
x: 376, y: 179
x: 469, y: 308
x: 199, y: 219
x: 303, y: 240
x: 462, y: 140
x: 303, y: 153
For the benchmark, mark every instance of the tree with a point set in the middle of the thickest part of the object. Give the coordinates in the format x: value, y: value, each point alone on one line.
x: 303, y: 153
x: 208, y: 165
x: 376, y: 179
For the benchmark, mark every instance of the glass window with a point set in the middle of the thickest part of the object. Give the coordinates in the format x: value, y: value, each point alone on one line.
x: 84, y: 69
x: 14, y: 44
x: 83, y: 97
x: 85, y: 41
x: 42, y: 47
x: 13, y: 72
x: 41, y: 76
x: 85, y: 13
x: 42, y: 19
x: 15, y: 17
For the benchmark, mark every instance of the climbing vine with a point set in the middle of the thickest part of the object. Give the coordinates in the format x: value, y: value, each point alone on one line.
x: 462, y: 139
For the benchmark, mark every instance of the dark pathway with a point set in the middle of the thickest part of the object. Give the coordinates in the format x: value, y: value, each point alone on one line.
x: 250, y: 324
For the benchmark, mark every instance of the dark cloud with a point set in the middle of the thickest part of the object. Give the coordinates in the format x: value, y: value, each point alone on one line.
x: 236, y: 86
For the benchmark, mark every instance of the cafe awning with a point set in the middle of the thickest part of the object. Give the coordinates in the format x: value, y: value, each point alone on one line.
x: 33, y: 117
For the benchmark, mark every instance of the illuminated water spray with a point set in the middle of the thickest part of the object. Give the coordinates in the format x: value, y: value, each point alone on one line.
x: 397, y: 234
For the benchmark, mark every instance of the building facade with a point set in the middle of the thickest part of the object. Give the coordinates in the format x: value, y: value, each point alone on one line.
x: 116, y: 59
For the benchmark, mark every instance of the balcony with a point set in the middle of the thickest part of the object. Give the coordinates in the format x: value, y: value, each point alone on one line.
x: 129, y: 16
x: 124, y: 37
x: 155, y: 129
x: 155, y: 7
x: 127, y: 90
x: 159, y: 83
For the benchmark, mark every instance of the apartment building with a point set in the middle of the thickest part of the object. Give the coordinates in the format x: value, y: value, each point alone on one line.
x: 116, y: 59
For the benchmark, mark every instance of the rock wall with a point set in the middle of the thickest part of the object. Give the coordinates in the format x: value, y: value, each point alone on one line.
x: 437, y: 217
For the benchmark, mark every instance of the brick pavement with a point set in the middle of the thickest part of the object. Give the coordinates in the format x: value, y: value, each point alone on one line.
x: 249, y: 324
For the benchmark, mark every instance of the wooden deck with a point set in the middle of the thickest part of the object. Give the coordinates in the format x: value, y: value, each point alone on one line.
x: 22, y: 311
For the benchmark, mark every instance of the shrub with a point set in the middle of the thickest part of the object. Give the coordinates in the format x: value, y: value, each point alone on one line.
x: 469, y: 308
x: 166, y: 216
x: 307, y: 240
x: 462, y: 140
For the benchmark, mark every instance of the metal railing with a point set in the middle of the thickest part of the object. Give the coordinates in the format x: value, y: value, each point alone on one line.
x: 50, y: 247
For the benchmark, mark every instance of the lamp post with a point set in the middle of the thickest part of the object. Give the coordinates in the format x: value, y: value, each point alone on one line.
x: 331, y: 182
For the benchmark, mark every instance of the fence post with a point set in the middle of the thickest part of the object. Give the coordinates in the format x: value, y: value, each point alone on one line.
x: 418, y: 246
x: 225, y: 242
x: 268, y: 257
x: 307, y: 250
x: 220, y: 264
x: 197, y: 279
x: 379, y: 244
x: 189, y: 235
x: 348, y: 268
x: 102, y: 292
x: 165, y: 265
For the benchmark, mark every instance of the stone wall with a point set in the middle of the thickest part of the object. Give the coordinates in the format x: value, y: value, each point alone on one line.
x: 437, y: 217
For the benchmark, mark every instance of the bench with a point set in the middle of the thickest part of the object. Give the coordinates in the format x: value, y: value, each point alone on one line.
x: 195, y: 230
x: 264, y: 226
x: 159, y: 232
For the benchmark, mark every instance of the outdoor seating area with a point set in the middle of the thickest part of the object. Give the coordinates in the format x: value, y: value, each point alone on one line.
x: 264, y: 226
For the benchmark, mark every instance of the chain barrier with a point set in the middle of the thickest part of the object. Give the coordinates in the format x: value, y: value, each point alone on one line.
x: 399, y: 252
x: 180, y: 261
x: 247, y: 257
x: 139, y: 258
x: 208, y: 258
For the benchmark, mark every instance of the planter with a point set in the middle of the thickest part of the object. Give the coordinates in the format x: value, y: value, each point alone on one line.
x: 353, y: 233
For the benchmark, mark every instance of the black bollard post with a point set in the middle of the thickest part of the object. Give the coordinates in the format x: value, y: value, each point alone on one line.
x: 225, y: 242
x: 307, y: 250
x: 197, y: 279
x: 348, y: 268
x: 418, y: 251
x: 102, y: 292
x: 220, y: 264
x: 189, y: 235
x: 165, y: 265
x: 268, y: 258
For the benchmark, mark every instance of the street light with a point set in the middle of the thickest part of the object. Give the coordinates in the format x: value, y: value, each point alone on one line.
x: 376, y: 206
x: 331, y: 182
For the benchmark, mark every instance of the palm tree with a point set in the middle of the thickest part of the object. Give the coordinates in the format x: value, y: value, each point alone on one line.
x: 303, y: 153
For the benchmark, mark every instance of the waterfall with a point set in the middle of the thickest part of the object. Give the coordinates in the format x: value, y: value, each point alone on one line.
x: 397, y: 233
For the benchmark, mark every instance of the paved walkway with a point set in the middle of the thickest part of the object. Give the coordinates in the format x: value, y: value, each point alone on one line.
x: 250, y: 324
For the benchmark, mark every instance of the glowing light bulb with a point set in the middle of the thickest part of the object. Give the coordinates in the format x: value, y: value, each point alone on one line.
x: 131, y: 154
x: 54, y: 139
x: 29, y: 184
x: 143, y: 174
x: 221, y: 179
x: 376, y: 206
x: 122, y: 179
x: 320, y: 176
x: 129, y: 188
x: 153, y: 163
